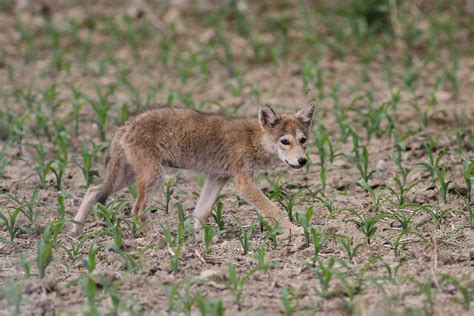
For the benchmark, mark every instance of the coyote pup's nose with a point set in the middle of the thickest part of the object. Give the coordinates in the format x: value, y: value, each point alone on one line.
x: 302, y: 161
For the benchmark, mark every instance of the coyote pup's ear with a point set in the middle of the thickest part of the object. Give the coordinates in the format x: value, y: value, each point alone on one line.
x: 267, y: 117
x: 305, y: 115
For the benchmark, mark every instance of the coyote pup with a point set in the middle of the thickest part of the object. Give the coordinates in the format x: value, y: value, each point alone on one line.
x: 221, y: 147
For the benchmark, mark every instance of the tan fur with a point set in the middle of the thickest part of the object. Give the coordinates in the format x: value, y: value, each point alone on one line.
x: 218, y: 146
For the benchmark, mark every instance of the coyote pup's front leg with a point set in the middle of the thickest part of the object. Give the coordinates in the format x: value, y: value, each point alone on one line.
x: 249, y: 191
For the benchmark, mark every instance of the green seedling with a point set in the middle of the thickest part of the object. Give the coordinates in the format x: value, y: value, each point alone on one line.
x: 61, y: 207
x: 437, y: 214
x: 429, y: 288
x: 324, y: 273
x: 74, y: 251
x: 4, y: 159
x: 367, y: 224
x: 209, y: 234
x: 237, y: 283
x: 58, y: 168
x: 290, y: 200
x: 181, y: 230
x: 443, y: 185
x: 392, y: 271
x: 468, y: 173
x: 169, y: 190
x: 402, y: 186
x: 217, y: 215
x: 171, y: 294
x: 89, y: 287
x: 318, y: 238
x: 467, y: 291
x: 42, y: 168
x: 326, y: 155
x: 469, y: 215
x: 272, y: 230
x: 44, y: 255
x: 351, y: 250
x: 350, y: 291
x: 175, y: 258
x: 101, y: 108
x: 276, y: 186
x: 110, y: 215
x: 62, y: 139
x: 214, y: 307
x: 77, y: 105
x: 245, y: 236
x: 399, y: 244
x: 27, y: 206
x: 403, y: 215
x: 305, y: 222
x: 10, y: 222
x: 328, y: 203
x: 361, y: 158
x: 12, y: 292
x: 288, y: 300
x: 434, y: 160
x: 260, y: 256
x: 89, y: 156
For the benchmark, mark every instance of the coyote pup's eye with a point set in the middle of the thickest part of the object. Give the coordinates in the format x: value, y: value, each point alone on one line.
x: 285, y: 141
x: 303, y: 140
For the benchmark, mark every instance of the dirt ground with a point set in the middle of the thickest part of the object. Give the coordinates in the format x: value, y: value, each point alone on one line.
x: 95, y: 46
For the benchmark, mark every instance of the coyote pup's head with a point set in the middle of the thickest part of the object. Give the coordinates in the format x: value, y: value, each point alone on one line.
x: 287, y: 134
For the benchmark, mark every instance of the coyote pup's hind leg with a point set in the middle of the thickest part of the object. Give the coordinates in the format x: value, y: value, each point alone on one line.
x: 118, y: 175
x: 148, y: 175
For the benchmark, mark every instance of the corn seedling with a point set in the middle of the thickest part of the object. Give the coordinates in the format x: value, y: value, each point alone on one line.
x: 429, y: 289
x: 468, y: 173
x: 110, y: 215
x: 209, y: 234
x: 328, y: 203
x: 361, y: 158
x: 437, y: 214
x: 101, y: 108
x: 288, y: 300
x: 58, y: 167
x: 27, y: 206
x: 324, y: 273
x: 367, y: 224
x: 326, y: 154
x: 245, y: 236
x: 402, y: 186
x: 169, y: 190
x: 276, y: 186
x: 272, y: 231
x: 305, y: 222
x: 9, y: 221
x: 402, y: 215
x: 318, y: 239
x: 262, y: 265
x: 434, y: 160
x: 351, y: 250
x: 217, y: 215
x: 467, y: 291
x: 443, y: 185
x: 290, y: 202
x: 237, y: 283
x: 42, y: 168
x: 4, y: 159
x: 44, y: 255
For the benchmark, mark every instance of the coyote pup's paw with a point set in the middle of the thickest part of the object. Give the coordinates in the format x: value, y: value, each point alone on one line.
x: 76, y: 230
x: 287, y: 227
